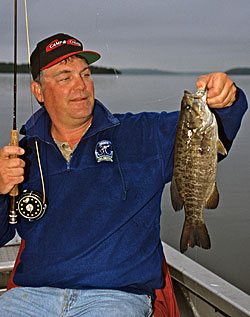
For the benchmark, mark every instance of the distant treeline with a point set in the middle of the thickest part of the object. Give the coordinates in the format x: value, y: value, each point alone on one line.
x: 24, y: 69
x: 9, y: 68
x: 239, y: 71
x: 104, y: 70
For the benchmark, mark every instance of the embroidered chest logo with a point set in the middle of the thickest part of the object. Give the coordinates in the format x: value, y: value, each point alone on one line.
x: 104, y: 151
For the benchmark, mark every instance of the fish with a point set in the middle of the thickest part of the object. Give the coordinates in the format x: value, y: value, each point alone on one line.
x: 193, y: 184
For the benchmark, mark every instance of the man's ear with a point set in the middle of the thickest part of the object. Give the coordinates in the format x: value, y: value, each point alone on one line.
x: 37, y: 91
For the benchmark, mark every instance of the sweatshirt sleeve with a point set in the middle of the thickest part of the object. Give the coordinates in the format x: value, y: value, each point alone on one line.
x: 229, y: 119
x: 167, y: 125
x: 7, y: 231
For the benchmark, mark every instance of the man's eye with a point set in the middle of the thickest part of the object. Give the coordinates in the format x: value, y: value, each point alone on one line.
x: 85, y: 74
x: 64, y: 79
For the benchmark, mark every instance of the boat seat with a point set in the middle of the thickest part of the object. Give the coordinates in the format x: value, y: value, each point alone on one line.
x: 164, y: 305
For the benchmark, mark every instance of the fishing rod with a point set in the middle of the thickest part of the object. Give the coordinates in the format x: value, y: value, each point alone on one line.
x: 30, y: 205
x: 13, y: 216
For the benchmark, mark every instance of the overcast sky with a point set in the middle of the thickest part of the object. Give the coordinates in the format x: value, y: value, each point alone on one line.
x: 176, y: 35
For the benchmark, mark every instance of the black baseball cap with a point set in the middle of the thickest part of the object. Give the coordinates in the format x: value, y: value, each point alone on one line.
x: 56, y: 48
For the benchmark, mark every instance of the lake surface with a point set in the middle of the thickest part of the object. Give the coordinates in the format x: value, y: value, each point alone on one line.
x: 229, y: 224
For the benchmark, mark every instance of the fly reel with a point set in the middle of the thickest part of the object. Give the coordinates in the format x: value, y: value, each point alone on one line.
x: 30, y: 205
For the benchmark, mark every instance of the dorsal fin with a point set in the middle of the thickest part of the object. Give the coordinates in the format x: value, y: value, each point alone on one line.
x: 220, y: 148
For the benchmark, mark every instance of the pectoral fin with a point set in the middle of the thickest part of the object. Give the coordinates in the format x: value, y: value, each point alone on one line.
x: 177, y: 201
x: 213, y: 199
x: 220, y: 148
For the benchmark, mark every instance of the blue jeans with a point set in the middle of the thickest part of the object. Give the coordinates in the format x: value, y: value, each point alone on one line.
x: 48, y: 301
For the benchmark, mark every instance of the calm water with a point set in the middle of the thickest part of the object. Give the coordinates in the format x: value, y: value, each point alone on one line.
x: 229, y: 224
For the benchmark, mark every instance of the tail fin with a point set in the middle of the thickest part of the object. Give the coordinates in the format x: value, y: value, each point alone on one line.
x: 194, y: 234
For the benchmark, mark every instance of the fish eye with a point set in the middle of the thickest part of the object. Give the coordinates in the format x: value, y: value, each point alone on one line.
x: 188, y: 107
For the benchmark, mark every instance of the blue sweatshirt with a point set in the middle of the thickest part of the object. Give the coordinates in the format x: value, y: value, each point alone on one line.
x: 102, y: 225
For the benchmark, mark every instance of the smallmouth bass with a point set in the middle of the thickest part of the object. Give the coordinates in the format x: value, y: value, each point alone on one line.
x: 195, y: 162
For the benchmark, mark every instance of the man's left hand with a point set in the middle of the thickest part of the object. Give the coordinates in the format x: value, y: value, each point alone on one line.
x: 221, y: 89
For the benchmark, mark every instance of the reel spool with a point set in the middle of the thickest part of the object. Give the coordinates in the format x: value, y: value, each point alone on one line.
x: 30, y: 205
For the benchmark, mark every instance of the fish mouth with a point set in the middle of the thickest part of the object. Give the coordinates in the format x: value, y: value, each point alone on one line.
x: 199, y: 94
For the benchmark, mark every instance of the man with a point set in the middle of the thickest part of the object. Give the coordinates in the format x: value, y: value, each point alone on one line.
x: 97, y: 249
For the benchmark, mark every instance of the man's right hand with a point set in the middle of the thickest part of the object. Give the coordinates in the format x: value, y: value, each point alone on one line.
x: 11, y: 169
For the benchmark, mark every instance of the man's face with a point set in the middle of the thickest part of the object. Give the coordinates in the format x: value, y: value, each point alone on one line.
x: 68, y: 93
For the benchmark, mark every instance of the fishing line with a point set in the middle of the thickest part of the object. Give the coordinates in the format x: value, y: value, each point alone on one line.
x: 31, y: 100
x: 158, y: 100
x: 152, y: 102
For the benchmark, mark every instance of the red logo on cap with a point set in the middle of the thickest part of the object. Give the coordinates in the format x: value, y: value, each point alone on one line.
x: 57, y: 43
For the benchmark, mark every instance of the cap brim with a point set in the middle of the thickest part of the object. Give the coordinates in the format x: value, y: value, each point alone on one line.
x: 90, y: 57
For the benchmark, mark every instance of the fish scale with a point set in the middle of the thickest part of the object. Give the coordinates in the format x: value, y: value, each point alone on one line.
x: 195, y: 162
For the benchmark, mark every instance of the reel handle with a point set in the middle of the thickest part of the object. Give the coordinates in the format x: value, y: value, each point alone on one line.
x: 14, y: 142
